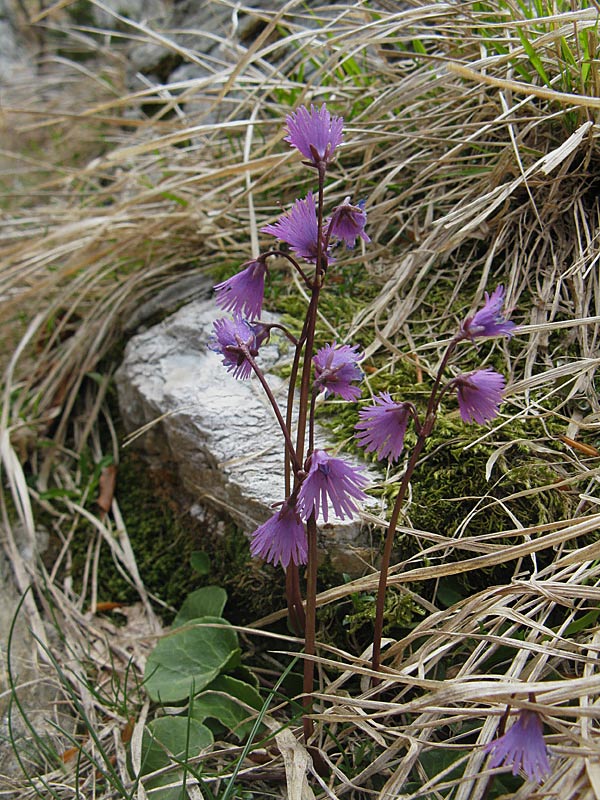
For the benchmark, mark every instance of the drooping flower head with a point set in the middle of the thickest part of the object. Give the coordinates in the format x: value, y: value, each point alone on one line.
x: 243, y: 293
x: 336, y: 366
x: 382, y: 427
x: 229, y: 336
x: 479, y: 395
x: 299, y: 228
x: 489, y: 320
x: 282, y: 538
x: 522, y: 747
x: 314, y: 133
x: 330, y: 481
x: 347, y: 223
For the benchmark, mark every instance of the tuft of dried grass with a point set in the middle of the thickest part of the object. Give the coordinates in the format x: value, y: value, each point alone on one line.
x: 472, y: 136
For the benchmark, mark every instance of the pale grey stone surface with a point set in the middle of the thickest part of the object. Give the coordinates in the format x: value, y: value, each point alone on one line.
x: 14, y: 55
x: 219, y: 433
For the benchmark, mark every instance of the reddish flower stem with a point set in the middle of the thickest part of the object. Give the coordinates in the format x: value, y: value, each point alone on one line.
x: 286, y: 435
x: 310, y: 626
x: 303, y: 410
x: 292, y: 261
x: 423, y: 433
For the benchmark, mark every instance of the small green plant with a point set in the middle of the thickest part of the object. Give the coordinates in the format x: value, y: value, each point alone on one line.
x: 195, y: 668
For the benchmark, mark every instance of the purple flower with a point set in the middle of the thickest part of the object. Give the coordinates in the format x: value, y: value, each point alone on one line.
x: 314, y: 133
x: 330, y: 480
x: 335, y: 368
x: 382, y: 427
x: 281, y: 539
x: 243, y: 293
x: 347, y: 222
x: 522, y: 747
x: 298, y: 227
x: 489, y: 320
x: 479, y: 395
x: 228, y: 339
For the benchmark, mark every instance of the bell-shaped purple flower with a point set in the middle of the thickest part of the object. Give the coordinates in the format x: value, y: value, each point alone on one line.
x: 314, y: 133
x: 479, y: 395
x: 489, y: 320
x: 230, y: 338
x: 299, y: 228
x: 382, y: 427
x: 347, y: 223
x: 522, y: 747
x: 243, y: 293
x: 336, y: 367
x: 282, y: 538
x: 330, y: 481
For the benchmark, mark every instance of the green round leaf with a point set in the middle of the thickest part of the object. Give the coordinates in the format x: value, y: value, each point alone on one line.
x: 206, y: 602
x: 171, y: 740
x: 200, y: 562
x: 186, y: 661
x: 223, y: 701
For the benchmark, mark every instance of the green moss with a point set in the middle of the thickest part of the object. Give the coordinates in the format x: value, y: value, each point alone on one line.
x: 159, y: 538
x: 450, y: 485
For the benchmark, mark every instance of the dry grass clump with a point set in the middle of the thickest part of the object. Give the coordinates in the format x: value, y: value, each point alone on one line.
x: 472, y: 136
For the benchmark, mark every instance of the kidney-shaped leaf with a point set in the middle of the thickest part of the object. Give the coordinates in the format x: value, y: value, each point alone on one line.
x: 209, y: 601
x: 170, y: 740
x: 227, y: 699
x: 186, y: 661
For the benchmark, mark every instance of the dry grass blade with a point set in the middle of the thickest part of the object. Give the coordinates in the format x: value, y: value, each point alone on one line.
x: 472, y: 136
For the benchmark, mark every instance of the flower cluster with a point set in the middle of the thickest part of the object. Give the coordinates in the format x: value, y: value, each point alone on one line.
x: 243, y: 293
x: 298, y: 227
x: 328, y: 486
x: 320, y: 486
x: 235, y: 340
x: 347, y: 223
x: 330, y: 481
x: 282, y: 538
x: 382, y: 426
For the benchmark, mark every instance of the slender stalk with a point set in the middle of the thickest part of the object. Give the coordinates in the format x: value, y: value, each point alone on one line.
x: 292, y: 261
x: 423, y: 434
x: 274, y: 405
x: 296, y: 615
x: 303, y: 410
x: 387, y: 552
x: 310, y: 625
x: 311, y: 319
x: 292, y: 580
x: 311, y: 422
